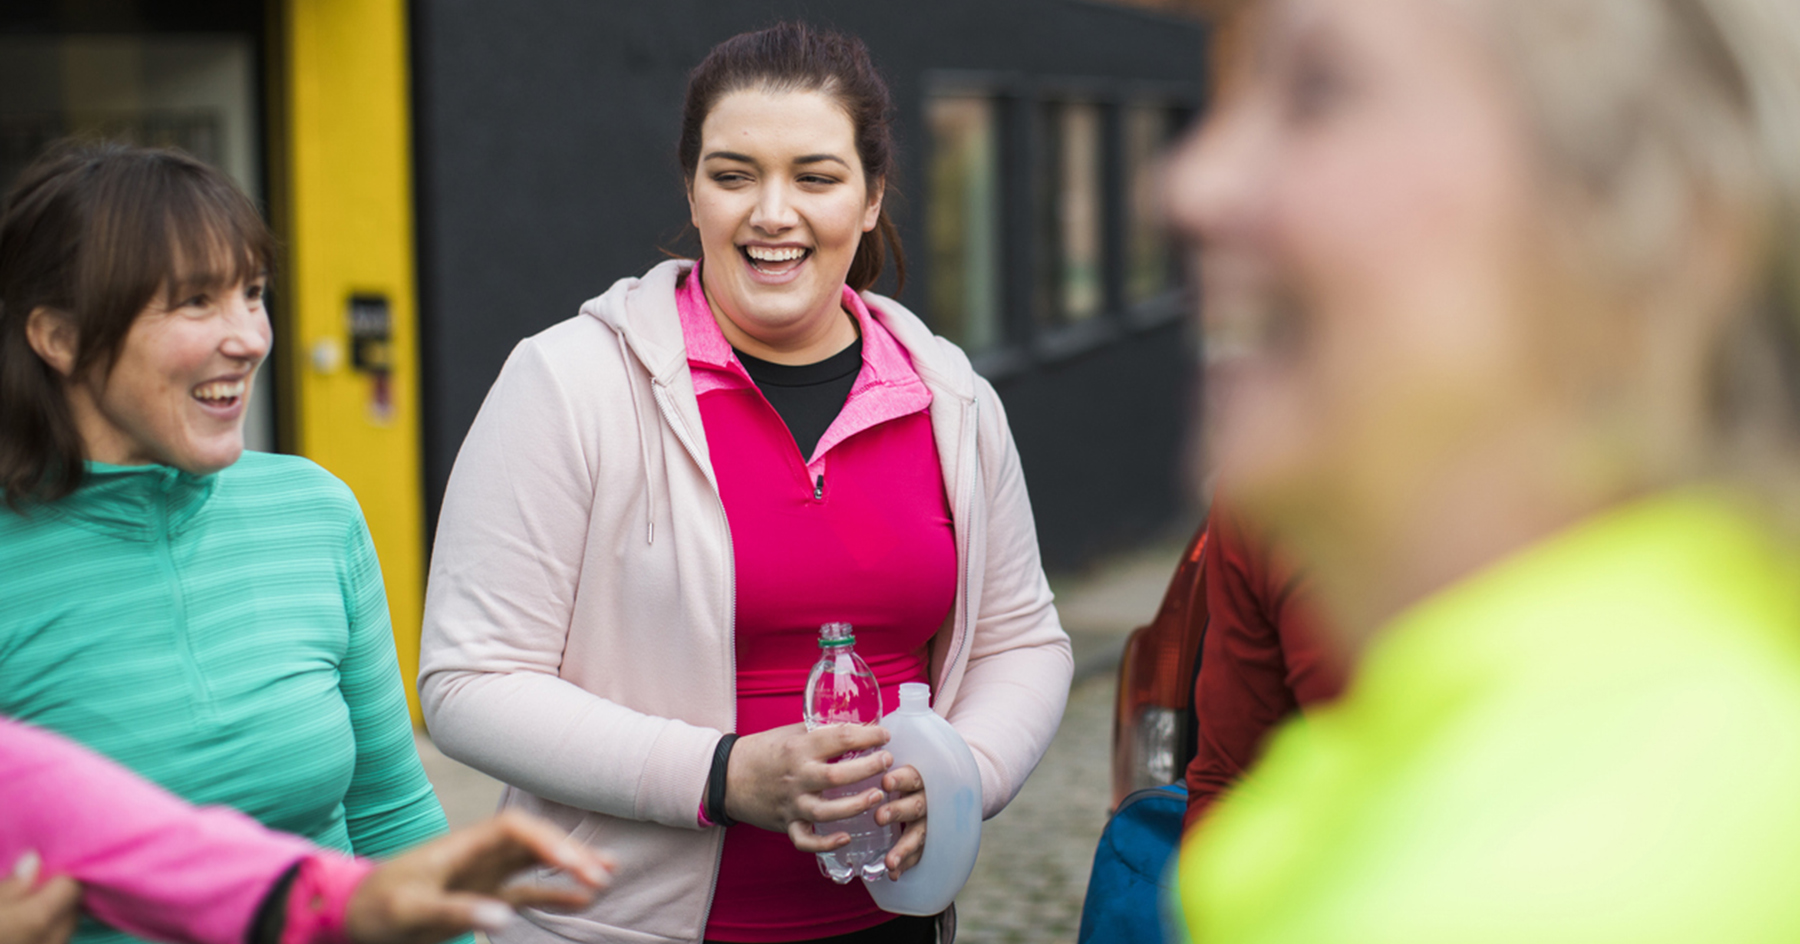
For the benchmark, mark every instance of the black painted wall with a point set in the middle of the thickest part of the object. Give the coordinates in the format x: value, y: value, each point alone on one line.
x: 546, y: 170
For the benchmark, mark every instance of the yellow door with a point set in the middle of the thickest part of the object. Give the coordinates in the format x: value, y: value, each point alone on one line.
x: 351, y: 347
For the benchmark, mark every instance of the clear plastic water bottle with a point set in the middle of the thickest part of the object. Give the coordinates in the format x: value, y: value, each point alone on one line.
x: 842, y: 690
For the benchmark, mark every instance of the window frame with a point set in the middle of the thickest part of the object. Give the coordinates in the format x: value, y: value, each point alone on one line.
x: 1025, y: 339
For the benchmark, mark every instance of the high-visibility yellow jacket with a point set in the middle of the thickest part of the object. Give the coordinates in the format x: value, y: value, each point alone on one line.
x: 1595, y: 741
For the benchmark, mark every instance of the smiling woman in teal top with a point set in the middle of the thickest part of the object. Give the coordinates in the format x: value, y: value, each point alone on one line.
x: 211, y: 618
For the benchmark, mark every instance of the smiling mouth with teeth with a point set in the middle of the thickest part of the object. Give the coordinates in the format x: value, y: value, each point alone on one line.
x: 219, y: 392
x: 772, y: 259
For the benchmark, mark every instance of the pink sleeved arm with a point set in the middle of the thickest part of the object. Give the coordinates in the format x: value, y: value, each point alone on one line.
x: 320, y: 898
x: 149, y: 863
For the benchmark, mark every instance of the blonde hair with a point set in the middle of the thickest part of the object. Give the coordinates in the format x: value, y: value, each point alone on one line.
x: 1660, y: 118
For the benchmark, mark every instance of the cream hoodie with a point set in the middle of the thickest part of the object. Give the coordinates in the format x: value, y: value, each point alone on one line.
x: 578, y: 639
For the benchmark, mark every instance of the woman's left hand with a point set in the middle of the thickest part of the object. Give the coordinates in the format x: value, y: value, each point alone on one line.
x: 905, y: 804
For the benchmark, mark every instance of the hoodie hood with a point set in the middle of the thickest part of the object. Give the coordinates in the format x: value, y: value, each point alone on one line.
x: 641, y: 310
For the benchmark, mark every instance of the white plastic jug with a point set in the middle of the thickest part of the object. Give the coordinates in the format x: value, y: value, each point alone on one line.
x: 952, y: 807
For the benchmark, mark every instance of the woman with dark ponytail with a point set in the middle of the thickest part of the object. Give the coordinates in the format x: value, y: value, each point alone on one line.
x: 664, y: 497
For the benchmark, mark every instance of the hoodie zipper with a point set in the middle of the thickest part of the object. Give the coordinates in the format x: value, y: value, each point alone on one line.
x: 971, y: 411
x: 681, y: 433
x: 673, y: 419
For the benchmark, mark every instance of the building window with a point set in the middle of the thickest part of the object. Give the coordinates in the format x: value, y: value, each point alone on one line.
x: 1070, y: 229
x: 963, y: 220
x: 1149, y: 262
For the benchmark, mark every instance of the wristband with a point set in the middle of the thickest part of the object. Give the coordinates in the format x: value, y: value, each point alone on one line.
x: 714, y: 810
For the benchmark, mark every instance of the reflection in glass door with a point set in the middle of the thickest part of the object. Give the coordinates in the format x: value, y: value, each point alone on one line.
x: 1078, y: 210
x: 963, y: 220
x: 1149, y: 264
x: 1069, y: 216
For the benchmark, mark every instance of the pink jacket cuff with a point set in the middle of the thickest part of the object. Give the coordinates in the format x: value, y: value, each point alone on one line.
x: 320, y: 897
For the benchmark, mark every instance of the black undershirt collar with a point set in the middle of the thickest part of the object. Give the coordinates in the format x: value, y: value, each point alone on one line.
x: 807, y: 397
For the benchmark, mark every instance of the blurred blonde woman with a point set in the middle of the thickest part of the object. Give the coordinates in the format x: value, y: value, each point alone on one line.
x: 1507, y: 294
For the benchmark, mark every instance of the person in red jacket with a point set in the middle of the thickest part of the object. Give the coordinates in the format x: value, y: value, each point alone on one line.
x: 1262, y: 658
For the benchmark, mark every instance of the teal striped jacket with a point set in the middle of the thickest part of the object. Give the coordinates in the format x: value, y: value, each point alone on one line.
x: 227, y: 637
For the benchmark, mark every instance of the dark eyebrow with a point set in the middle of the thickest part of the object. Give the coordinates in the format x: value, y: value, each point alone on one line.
x: 746, y: 159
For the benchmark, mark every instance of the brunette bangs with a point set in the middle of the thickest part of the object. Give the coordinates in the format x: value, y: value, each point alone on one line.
x: 94, y: 233
x: 162, y: 227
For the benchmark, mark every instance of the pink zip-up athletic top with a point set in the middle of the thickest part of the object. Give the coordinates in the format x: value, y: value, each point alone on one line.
x: 150, y: 864
x: 594, y: 585
x: 860, y: 532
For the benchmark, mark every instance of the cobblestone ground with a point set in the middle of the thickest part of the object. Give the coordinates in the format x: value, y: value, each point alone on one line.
x: 1035, y: 856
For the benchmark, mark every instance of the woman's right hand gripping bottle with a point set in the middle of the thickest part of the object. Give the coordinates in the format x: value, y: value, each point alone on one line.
x: 952, y: 807
x: 842, y: 690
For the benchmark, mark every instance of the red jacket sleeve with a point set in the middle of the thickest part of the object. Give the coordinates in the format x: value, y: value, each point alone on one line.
x: 1261, y: 658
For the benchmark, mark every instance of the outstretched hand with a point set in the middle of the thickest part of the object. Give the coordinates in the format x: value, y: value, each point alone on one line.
x: 459, y: 882
x: 776, y: 779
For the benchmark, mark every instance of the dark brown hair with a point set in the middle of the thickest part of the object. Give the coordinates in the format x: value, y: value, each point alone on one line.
x: 794, y: 57
x: 94, y: 233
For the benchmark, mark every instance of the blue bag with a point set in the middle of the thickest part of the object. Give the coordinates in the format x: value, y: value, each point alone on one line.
x: 1126, y: 892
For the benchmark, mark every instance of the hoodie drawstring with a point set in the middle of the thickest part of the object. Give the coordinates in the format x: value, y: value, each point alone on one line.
x: 643, y: 442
